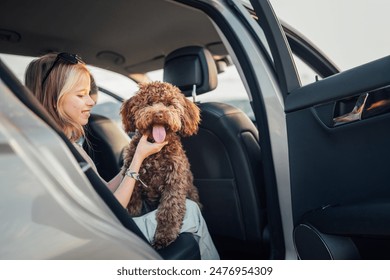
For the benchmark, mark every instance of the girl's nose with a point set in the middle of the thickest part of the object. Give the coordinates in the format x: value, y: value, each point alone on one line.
x: 90, y: 101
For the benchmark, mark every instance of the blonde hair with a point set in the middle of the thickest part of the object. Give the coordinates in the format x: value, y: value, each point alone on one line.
x: 62, y: 78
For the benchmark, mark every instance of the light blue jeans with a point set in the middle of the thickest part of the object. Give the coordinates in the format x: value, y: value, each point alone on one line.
x: 193, y: 222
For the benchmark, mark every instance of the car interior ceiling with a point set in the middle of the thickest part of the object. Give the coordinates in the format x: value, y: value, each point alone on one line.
x: 105, y: 43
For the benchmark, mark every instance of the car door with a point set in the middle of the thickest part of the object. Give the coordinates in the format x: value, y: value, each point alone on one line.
x: 333, y: 190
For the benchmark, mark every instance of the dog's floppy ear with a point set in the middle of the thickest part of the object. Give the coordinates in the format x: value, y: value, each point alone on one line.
x: 190, y: 119
x: 127, y: 114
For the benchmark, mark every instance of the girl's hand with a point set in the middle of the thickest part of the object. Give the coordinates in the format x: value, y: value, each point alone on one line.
x: 126, y: 184
x: 146, y: 148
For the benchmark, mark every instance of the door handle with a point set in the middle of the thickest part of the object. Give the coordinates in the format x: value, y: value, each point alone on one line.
x: 355, y: 114
x: 365, y: 105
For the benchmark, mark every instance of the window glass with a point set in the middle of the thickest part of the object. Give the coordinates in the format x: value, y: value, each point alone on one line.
x: 114, y: 82
x: 305, y: 72
x: 119, y: 85
x: 230, y: 90
x: 17, y: 64
x: 108, y: 106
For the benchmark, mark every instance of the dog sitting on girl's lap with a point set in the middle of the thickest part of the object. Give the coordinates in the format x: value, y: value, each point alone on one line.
x: 162, y: 112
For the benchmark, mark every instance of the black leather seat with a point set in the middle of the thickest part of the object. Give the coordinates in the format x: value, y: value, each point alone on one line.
x: 225, y: 159
x: 105, y: 145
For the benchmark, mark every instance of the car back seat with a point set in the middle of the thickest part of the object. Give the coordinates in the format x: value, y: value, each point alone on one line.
x: 105, y: 145
x: 225, y: 158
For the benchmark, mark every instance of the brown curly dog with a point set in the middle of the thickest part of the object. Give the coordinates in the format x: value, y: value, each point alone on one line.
x: 162, y: 112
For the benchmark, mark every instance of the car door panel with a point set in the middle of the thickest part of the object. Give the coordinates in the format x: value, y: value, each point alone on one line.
x: 361, y: 219
x: 338, y: 138
x: 353, y: 231
x: 339, y: 169
x: 349, y: 83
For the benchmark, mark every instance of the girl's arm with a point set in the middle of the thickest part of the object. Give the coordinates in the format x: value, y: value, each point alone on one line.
x: 123, y: 186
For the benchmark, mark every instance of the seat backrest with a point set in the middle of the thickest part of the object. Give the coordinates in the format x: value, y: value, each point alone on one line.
x: 225, y: 158
x: 105, y: 145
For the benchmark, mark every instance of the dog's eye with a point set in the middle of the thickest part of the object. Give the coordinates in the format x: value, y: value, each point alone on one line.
x: 174, y: 103
x: 169, y: 105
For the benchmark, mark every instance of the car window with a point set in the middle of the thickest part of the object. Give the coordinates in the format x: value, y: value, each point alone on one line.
x: 306, y: 73
x: 119, y: 85
x: 17, y: 64
x: 107, y: 105
x: 116, y: 83
x: 230, y: 90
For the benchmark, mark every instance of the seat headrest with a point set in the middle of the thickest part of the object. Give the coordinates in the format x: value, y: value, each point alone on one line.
x: 190, y: 66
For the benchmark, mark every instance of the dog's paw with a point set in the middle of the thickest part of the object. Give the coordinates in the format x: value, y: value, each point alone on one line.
x: 162, y: 242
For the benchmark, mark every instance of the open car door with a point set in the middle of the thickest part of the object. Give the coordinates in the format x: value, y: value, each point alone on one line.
x: 338, y: 140
x: 331, y: 172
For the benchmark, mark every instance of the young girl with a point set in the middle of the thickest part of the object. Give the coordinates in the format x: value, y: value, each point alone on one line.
x: 62, y: 83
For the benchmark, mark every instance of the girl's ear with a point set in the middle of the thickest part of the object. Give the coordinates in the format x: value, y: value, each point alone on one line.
x: 190, y: 119
x: 127, y: 114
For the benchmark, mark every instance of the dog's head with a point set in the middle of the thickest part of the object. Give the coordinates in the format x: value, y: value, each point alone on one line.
x: 159, y: 109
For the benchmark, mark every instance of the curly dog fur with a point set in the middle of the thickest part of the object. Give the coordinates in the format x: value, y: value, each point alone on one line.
x: 162, y: 112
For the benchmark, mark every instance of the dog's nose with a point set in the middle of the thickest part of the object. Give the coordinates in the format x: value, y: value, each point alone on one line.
x: 158, y: 116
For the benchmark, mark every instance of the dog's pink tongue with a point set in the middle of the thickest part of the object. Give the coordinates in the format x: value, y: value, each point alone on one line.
x: 159, y: 133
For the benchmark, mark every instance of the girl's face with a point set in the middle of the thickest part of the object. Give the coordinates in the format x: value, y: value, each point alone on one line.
x: 77, y: 104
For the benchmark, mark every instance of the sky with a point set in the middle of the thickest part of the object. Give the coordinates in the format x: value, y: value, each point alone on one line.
x: 350, y: 32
